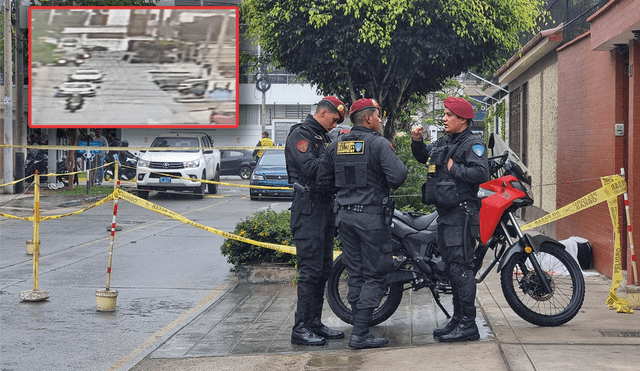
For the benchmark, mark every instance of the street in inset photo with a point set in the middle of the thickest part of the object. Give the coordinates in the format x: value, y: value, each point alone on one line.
x: 128, y: 67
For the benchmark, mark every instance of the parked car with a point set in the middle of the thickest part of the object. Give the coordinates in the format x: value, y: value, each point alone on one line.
x: 271, y: 171
x: 84, y: 75
x: 164, y: 170
x: 236, y: 162
x: 85, y: 89
x: 338, y: 131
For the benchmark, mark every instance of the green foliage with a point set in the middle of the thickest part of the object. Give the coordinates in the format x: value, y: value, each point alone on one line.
x: 264, y: 226
x: 389, y: 50
x: 408, y: 196
x: 494, y: 112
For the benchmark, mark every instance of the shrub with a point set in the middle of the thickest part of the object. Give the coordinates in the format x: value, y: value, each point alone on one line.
x: 409, y: 195
x: 264, y: 226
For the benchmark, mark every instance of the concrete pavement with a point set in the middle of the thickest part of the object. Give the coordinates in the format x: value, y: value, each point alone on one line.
x: 254, y: 335
x: 248, y: 328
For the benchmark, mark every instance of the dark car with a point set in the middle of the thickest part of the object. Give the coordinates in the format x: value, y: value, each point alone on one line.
x: 338, y: 131
x: 236, y: 162
x: 271, y: 171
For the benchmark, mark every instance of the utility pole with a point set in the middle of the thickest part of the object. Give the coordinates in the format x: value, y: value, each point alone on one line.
x: 20, y: 138
x: 7, y: 155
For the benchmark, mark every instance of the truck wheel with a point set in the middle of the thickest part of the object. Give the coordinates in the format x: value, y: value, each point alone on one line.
x: 213, y: 188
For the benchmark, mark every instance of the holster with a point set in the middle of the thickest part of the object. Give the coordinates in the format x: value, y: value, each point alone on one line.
x: 301, y: 197
x: 388, y: 204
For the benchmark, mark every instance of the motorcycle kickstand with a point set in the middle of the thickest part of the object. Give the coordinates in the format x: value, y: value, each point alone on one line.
x: 436, y: 297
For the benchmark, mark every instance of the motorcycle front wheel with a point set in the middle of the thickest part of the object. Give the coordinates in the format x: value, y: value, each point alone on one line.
x: 338, y: 287
x: 523, y: 291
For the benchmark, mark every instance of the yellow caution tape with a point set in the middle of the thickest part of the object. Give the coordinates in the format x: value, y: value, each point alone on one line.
x: 108, y: 198
x: 166, y: 212
x: 16, y: 217
x: 16, y: 181
x: 218, y: 182
x: 613, y: 300
x: 613, y: 189
x: 106, y: 149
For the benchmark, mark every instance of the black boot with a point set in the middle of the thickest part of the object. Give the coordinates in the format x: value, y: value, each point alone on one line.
x: 455, y: 319
x: 323, y: 330
x: 361, y: 337
x: 302, y: 334
x: 316, y: 325
x: 465, y: 330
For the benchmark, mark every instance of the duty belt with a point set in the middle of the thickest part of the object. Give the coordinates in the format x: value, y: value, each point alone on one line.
x: 362, y: 208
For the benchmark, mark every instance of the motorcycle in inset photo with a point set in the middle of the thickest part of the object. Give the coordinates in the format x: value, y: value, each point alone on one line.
x: 540, y: 280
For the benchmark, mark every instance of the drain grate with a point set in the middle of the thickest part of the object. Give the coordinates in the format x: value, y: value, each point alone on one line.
x: 620, y: 334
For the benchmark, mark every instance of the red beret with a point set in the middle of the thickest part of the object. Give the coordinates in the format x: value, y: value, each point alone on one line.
x: 361, y: 104
x: 338, y: 105
x: 460, y: 106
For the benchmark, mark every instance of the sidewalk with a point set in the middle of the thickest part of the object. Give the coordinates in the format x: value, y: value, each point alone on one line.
x: 249, y: 329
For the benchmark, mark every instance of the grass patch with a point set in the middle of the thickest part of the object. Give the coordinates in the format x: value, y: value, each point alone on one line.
x: 82, y: 190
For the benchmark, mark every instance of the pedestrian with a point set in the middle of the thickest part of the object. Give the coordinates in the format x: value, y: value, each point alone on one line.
x: 312, y: 219
x: 363, y: 167
x: 458, y: 165
x: 264, y: 142
x: 100, y: 156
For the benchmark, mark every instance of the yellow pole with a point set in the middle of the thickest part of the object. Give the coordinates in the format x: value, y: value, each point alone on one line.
x: 36, y: 228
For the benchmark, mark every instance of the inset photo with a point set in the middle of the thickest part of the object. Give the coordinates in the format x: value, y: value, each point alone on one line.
x: 133, y: 67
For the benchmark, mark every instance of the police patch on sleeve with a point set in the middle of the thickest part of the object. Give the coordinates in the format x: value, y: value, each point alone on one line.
x: 303, y: 146
x: 478, y: 149
x: 350, y: 147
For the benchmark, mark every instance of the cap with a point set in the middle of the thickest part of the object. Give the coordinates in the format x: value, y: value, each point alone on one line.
x: 339, y: 106
x: 460, y: 106
x: 361, y: 104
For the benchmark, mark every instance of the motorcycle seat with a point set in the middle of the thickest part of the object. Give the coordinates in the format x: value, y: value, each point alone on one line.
x: 417, y: 221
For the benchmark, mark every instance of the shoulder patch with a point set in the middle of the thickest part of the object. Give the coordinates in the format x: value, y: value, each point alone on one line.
x: 350, y: 147
x: 478, y: 149
x: 303, y: 146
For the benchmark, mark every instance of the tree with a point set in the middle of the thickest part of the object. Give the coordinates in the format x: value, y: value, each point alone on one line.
x: 389, y: 50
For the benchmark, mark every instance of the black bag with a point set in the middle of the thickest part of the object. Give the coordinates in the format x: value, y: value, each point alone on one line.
x: 585, y: 256
x: 429, y: 191
x: 446, y: 193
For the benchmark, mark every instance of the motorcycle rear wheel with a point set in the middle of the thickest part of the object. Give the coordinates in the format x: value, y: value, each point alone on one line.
x: 338, y: 287
x: 522, y: 290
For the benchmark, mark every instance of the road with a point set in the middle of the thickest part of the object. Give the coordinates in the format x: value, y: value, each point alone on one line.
x: 165, y: 273
x: 126, y: 97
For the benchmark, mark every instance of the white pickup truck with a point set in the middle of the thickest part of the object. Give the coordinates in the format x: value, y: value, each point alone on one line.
x: 165, y: 170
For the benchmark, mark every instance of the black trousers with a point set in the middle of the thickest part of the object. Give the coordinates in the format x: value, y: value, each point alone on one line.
x: 313, y: 232
x: 456, y: 243
x: 366, y: 245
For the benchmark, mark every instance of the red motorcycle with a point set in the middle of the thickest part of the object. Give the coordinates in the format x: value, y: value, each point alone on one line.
x: 540, y: 280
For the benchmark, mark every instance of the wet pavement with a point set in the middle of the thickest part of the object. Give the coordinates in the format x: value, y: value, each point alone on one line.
x: 257, y: 319
x: 246, y: 326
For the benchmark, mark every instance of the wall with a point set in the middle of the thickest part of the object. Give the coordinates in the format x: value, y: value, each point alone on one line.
x: 586, y: 142
x: 542, y: 80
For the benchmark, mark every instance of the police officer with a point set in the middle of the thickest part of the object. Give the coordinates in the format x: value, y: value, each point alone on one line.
x: 458, y: 165
x: 363, y: 167
x: 264, y: 142
x: 312, y: 219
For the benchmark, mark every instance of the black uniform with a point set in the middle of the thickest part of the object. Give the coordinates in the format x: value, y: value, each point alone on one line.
x: 364, y: 167
x: 458, y: 208
x: 312, y: 222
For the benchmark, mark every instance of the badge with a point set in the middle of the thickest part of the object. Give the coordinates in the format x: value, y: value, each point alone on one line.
x: 303, y: 146
x: 350, y: 147
x: 478, y: 149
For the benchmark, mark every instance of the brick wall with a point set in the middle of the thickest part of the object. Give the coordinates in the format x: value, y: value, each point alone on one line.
x: 586, y: 143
